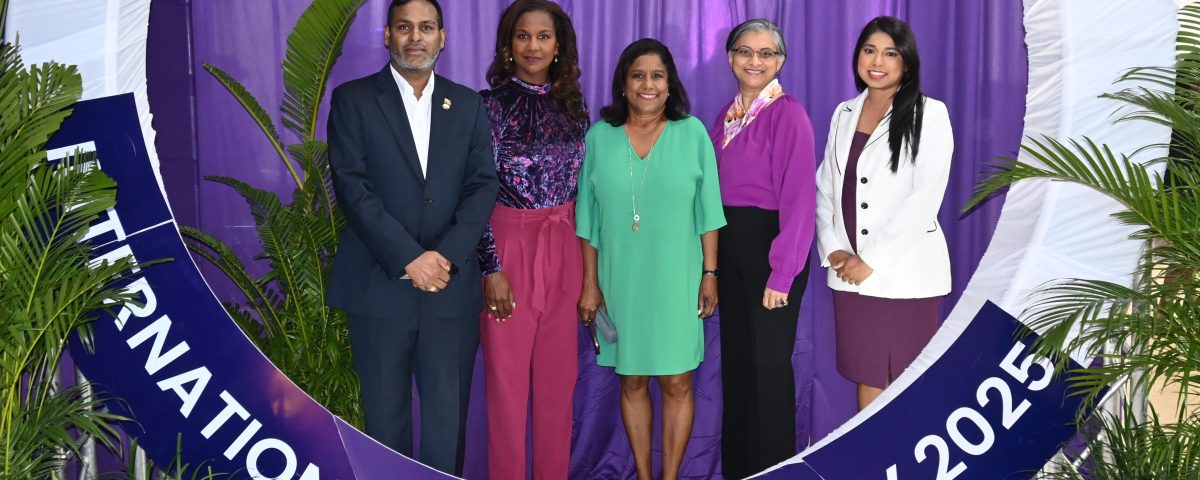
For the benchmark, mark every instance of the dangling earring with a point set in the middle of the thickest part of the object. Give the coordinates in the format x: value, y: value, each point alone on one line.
x: 555, y: 57
x: 510, y: 59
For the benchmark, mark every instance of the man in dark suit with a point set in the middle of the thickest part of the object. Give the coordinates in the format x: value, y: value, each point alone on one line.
x: 411, y: 155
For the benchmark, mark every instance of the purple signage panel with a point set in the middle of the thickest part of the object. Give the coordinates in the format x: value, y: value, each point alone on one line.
x: 177, y: 362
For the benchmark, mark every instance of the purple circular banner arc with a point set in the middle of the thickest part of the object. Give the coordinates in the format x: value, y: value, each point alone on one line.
x: 189, y: 375
x: 178, y: 363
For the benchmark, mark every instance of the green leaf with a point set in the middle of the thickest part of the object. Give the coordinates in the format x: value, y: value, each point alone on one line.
x: 284, y: 310
x: 313, y: 47
x: 257, y: 113
x: 49, y: 289
x: 1151, y: 328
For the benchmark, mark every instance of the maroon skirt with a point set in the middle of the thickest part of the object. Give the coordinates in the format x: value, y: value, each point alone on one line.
x: 877, y: 338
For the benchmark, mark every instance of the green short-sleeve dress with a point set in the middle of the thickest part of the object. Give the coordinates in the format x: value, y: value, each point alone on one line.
x: 650, y: 278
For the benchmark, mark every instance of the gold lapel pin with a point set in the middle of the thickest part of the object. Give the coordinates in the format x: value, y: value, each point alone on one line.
x: 446, y: 104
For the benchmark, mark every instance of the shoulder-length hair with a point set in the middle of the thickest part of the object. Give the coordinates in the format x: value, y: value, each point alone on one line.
x: 677, y: 101
x: 564, y: 73
x: 908, y: 107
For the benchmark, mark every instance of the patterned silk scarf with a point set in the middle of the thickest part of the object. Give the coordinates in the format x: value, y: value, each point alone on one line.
x: 739, y: 117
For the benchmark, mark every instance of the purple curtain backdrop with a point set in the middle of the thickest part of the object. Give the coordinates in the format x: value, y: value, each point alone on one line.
x: 974, y: 59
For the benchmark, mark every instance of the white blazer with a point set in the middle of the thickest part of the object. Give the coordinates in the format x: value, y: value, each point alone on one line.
x: 898, y: 232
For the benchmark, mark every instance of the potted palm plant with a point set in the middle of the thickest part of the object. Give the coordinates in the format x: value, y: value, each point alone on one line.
x: 48, y: 289
x: 284, y: 310
x: 1156, y: 320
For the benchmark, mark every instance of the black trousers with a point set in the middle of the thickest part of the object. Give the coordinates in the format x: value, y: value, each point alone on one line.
x: 440, y: 354
x: 759, y: 421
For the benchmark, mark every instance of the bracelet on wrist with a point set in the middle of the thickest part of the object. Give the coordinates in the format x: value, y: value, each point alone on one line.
x: 709, y: 273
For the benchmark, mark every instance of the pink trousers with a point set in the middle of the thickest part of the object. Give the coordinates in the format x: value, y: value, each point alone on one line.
x: 536, y: 349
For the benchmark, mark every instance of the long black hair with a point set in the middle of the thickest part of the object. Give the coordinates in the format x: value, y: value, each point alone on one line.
x: 908, y: 107
x: 677, y: 100
x: 564, y: 71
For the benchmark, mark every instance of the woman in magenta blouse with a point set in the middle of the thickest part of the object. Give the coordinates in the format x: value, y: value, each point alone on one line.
x: 765, y: 160
x: 530, y: 257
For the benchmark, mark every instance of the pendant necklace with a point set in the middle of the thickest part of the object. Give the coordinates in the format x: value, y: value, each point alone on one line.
x: 633, y: 199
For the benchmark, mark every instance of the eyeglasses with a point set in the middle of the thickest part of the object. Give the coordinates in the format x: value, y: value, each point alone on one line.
x: 745, y: 53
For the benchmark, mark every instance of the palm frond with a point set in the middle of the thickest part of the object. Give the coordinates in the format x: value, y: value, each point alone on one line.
x: 281, y: 245
x: 1188, y: 39
x: 1155, y: 325
x: 254, y: 328
x: 305, y: 338
x: 257, y: 113
x: 177, y: 469
x: 318, y: 179
x: 1121, y: 447
x: 38, y: 97
x: 42, y: 433
x: 1087, y: 163
x: 3, y: 16
x: 261, y: 299
x: 49, y: 284
x: 50, y: 281
x: 313, y: 47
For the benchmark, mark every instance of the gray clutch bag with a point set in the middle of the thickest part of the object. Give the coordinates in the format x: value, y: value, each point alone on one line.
x: 605, y: 325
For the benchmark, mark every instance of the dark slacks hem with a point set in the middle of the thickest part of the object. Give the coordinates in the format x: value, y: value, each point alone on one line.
x: 439, y: 354
x: 759, y: 419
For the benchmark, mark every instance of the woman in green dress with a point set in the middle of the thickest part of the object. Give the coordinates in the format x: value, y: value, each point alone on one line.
x: 648, y: 211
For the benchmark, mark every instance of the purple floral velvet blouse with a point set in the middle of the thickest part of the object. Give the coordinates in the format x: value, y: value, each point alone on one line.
x: 538, y: 149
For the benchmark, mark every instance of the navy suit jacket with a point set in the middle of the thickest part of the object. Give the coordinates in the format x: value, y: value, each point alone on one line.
x: 393, y: 215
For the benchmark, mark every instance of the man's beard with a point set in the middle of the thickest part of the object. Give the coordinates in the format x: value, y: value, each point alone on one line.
x: 398, y: 58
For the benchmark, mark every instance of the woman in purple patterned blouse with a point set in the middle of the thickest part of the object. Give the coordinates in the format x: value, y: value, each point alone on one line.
x: 765, y: 159
x: 530, y: 257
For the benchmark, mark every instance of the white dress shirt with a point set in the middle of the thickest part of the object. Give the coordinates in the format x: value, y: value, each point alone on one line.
x: 419, y: 114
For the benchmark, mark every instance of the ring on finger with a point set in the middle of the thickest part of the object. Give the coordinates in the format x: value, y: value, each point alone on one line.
x: 492, y: 307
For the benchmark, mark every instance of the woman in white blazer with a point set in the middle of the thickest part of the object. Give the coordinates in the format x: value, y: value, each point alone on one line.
x: 879, y: 189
